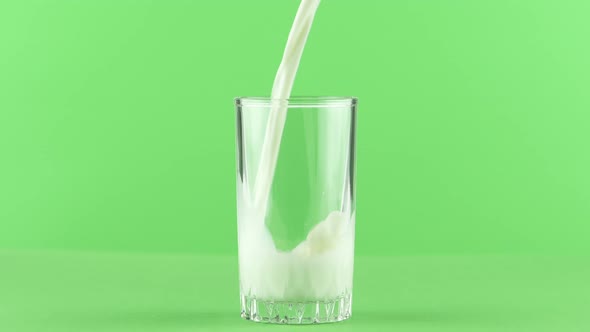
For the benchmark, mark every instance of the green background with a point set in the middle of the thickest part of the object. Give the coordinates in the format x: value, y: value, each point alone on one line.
x: 117, y: 120
x: 117, y: 136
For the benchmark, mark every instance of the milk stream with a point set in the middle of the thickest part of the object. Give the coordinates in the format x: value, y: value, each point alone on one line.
x: 281, y: 91
x: 320, y: 267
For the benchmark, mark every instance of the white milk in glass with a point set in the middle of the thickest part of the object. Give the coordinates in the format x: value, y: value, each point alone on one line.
x: 320, y: 267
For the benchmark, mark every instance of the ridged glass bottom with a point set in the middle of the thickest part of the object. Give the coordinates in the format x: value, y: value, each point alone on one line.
x: 313, y: 312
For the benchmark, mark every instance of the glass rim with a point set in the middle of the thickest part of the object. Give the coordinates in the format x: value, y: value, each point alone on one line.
x: 298, y: 101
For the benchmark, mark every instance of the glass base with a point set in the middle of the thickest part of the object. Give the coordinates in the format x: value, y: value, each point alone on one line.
x: 285, y: 312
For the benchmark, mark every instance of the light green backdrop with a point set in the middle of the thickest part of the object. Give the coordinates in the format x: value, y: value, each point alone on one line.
x: 117, y: 120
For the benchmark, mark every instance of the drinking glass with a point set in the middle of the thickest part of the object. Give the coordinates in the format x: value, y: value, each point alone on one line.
x: 296, y: 239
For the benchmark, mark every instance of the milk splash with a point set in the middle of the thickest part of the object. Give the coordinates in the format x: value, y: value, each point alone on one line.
x: 320, y: 267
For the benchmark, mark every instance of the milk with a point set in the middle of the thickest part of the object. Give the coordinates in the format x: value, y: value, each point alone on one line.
x: 281, y: 90
x: 320, y: 267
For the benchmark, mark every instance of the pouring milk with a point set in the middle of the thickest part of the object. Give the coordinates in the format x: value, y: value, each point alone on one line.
x: 321, y: 265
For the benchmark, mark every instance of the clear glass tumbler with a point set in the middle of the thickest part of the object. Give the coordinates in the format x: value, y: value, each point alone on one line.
x: 296, y: 238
